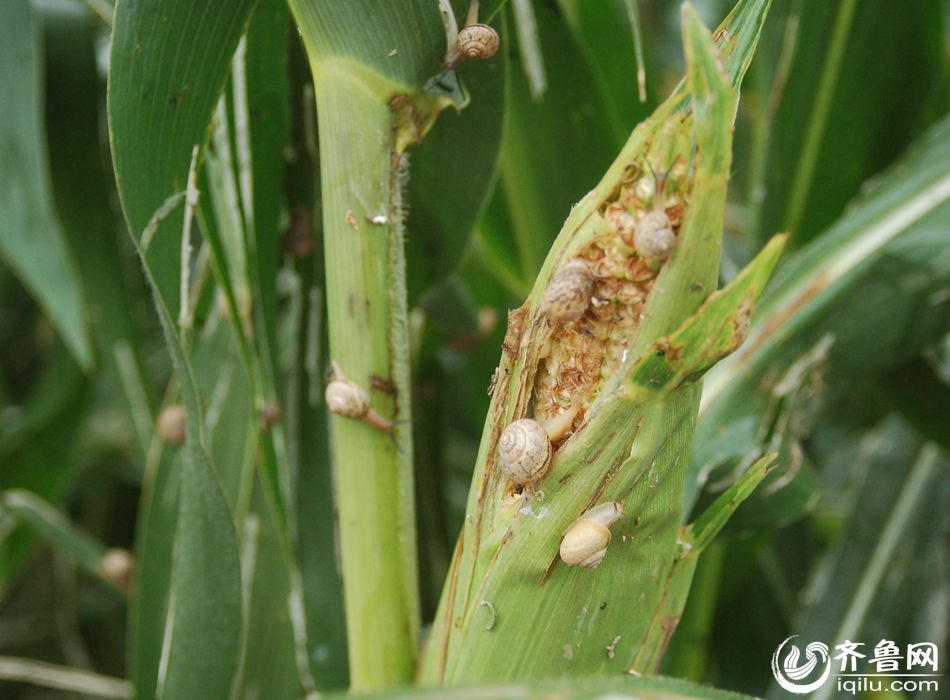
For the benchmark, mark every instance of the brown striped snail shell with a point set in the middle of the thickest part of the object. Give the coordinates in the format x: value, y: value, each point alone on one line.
x: 654, y: 238
x: 524, y: 451
x: 478, y: 41
x: 569, y: 292
x: 585, y: 543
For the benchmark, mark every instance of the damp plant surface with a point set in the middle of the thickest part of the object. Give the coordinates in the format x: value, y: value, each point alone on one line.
x: 440, y: 348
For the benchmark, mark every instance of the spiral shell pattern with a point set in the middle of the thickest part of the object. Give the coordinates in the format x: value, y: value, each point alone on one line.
x: 478, y: 41
x: 569, y: 292
x: 524, y: 451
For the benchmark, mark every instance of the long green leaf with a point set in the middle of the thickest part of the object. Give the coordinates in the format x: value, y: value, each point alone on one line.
x: 817, y: 154
x: 45, y: 520
x: 31, y: 238
x: 833, y: 314
x: 83, y: 189
x: 168, y: 65
x: 169, y: 61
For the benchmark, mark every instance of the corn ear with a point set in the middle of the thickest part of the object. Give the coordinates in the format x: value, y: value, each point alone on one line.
x: 511, y: 609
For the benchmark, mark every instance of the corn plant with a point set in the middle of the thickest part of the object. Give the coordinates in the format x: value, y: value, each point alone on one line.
x: 262, y: 261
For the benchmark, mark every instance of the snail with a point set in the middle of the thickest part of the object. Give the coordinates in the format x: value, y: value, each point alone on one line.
x: 170, y: 426
x: 116, y: 567
x: 474, y: 40
x: 585, y: 542
x: 654, y: 238
x: 524, y: 448
x: 478, y: 41
x: 347, y: 398
x: 569, y: 292
x: 524, y: 451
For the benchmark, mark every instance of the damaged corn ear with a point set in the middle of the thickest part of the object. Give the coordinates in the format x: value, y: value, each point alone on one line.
x: 597, y: 299
x: 624, y: 447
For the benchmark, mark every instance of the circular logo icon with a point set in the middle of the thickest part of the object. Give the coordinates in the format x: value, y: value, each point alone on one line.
x: 792, y: 675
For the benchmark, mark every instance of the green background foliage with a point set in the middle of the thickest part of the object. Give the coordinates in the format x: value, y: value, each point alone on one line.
x: 159, y: 159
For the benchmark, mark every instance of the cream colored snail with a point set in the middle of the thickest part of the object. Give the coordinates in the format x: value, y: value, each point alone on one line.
x: 478, y: 41
x: 170, y: 426
x: 585, y: 542
x: 347, y: 398
x: 116, y: 567
x: 524, y: 448
x: 569, y: 292
x: 654, y: 238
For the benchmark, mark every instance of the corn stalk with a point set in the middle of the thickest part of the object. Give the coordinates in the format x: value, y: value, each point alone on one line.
x: 632, y: 366
x: 370, y: 64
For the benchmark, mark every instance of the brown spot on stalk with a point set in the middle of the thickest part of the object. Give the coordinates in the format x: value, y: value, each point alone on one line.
x: 383, y: 385
x: 668, y: 627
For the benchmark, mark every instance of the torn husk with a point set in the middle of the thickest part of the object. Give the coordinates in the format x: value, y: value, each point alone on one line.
x: 618, y: 449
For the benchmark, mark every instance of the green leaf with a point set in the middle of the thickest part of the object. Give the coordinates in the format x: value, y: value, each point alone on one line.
x: 39, y: 453
x: 716, y: 329
x: 574, y: 123
x: 205, y: 605
x: 702, y: 532
x: 169, y: 61
x: 453, y: 173
x: 610, y: 37
x: 58, y: 531
x: 834, y: 315
x: 270, y: 657
x: 31, y: 239
x: 265, y: 66
x: 151, y: 577
x: 83, y: 188
x: 886, y: 531
x: 818, y: 154
x: 922, y: 398
x: 230, y: 434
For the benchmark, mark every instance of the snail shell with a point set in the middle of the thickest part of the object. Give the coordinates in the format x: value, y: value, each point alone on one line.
x: 569, y: 292
x: 585, y: 543
x: 524, y: 451
x: 478, y: 41
x: 171, y: 424
x: 346, y: 398
x: 116, y: 567
x: 654, y: 238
